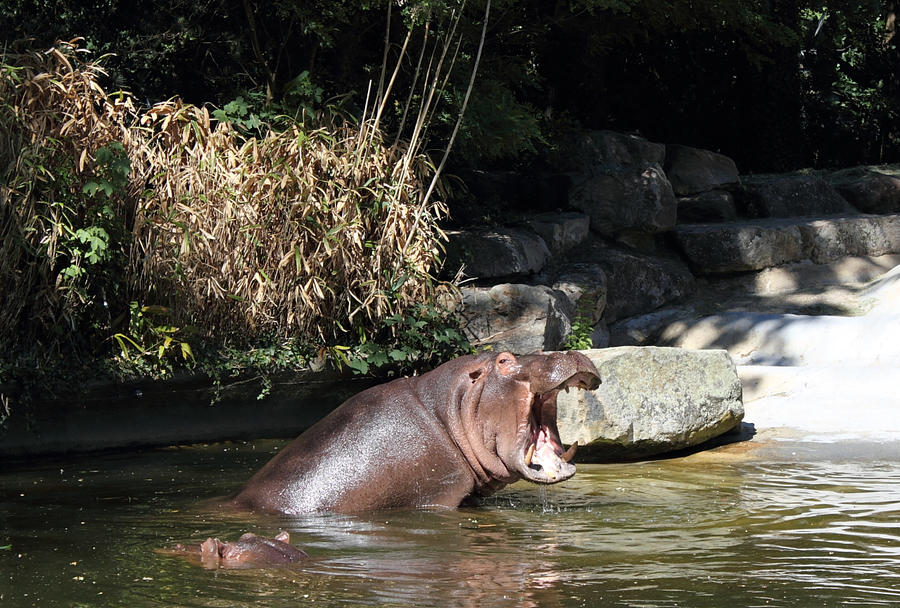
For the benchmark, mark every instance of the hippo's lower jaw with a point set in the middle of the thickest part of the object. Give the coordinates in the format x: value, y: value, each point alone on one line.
x: 542, y: 458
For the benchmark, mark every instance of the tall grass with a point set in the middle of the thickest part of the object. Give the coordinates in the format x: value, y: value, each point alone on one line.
x: 301, y: 230
x: 54, y: 117
x: 315, y: 229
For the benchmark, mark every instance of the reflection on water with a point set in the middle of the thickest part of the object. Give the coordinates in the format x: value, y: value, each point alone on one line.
x: 666, y: 533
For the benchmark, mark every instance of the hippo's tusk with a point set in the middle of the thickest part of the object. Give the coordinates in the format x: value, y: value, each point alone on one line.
x: 570, y: 453
x: 528, y: 455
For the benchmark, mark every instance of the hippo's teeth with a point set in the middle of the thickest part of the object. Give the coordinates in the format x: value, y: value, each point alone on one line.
x: 529, y: 455
x: 570, y: 453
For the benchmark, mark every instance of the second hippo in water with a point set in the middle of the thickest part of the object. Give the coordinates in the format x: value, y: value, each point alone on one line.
x: 249, y: 551
x: 464, y: 429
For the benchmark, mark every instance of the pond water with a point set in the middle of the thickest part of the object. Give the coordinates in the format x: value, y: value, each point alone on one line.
x: 816, y: 531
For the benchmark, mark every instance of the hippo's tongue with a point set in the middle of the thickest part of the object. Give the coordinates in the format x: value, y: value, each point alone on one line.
x: 543, y: 455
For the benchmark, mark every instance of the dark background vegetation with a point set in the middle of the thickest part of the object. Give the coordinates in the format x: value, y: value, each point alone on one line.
x: 777, y: 85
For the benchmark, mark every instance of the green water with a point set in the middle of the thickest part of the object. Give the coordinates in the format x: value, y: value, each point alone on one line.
x: 815, y: 532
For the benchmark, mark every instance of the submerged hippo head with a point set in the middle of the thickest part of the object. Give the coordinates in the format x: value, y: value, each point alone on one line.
x: 249, y: 551
x: 466, y: 428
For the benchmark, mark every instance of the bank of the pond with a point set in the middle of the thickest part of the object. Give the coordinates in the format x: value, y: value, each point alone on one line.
x: 185, y: 409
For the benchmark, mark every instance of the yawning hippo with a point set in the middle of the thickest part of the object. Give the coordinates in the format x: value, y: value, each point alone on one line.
x: 249, y: 551
x: 466, y: 428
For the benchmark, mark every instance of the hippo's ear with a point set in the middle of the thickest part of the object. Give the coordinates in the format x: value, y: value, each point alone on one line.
x: 283, y: 536
x: 210, y: 547
x: 479, y: 371
x: 506, y: 363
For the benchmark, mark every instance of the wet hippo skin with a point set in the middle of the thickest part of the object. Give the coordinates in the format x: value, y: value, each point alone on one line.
x: 464, y: 429
x: 249, y: 551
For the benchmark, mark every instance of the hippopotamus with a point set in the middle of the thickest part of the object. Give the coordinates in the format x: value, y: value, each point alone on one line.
x: 249, y: 551
x: 461, y: 431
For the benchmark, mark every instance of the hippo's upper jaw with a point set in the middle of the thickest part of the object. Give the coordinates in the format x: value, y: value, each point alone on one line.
x: 541, y: 456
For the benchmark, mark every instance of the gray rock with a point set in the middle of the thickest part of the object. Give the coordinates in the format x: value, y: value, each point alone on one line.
x: 830, y: 239
x: 600, y: 336
x: 505, y: 252
x: 758, y: 244
x: 635, y: 282
x: 611, y: 150
x: 652, y: 401
x: 693, y: 170
x: 789, y: 196
x: 869, y: 189
x: 712, y: 206
x: 561, y: 231
x: 584, y: 285
x: 634, y: 198
x: 517, y: 318
x: 645, y: 329
x: 739, y: 246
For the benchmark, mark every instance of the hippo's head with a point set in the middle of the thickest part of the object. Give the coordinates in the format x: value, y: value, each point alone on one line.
x: 515, y: 413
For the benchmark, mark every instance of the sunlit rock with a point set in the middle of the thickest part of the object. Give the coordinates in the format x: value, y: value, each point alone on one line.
x: 758, y: 244
x: 652, y: 401
x: 517, y: 318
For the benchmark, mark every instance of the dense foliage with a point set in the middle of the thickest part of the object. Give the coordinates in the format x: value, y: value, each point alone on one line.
x: 144, y: 231
x: 776, y: 85
x: 135, y: 222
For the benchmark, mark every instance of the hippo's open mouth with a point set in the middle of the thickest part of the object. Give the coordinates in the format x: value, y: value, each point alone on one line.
x: 543, y: 458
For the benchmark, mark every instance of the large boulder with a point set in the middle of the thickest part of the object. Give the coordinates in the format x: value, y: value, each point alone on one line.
x: 584, y: 284
x: 830, y: 239
x: 712, y: 206
x: 634, y: 198
x: 693, y: 170
x: 635, y: 282
x: 869, y: 189
x: 739, y: 246
x: 611, y: 150
x: 789, y: 196
x: 517, y: 318
x: 617, y: 179
x: 758, y: 244
x: 562, y: 230
x: 504, y: 252
x: 652, y: 401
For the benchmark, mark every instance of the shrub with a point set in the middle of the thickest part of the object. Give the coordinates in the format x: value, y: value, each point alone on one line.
x: 318, y: 229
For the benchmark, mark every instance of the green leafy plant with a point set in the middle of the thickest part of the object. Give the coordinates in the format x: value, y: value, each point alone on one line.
x: 301, y: 94
x: 239, y: 112
x: 150, y: 345
x: 416, y: 339
x: 580, y: 337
